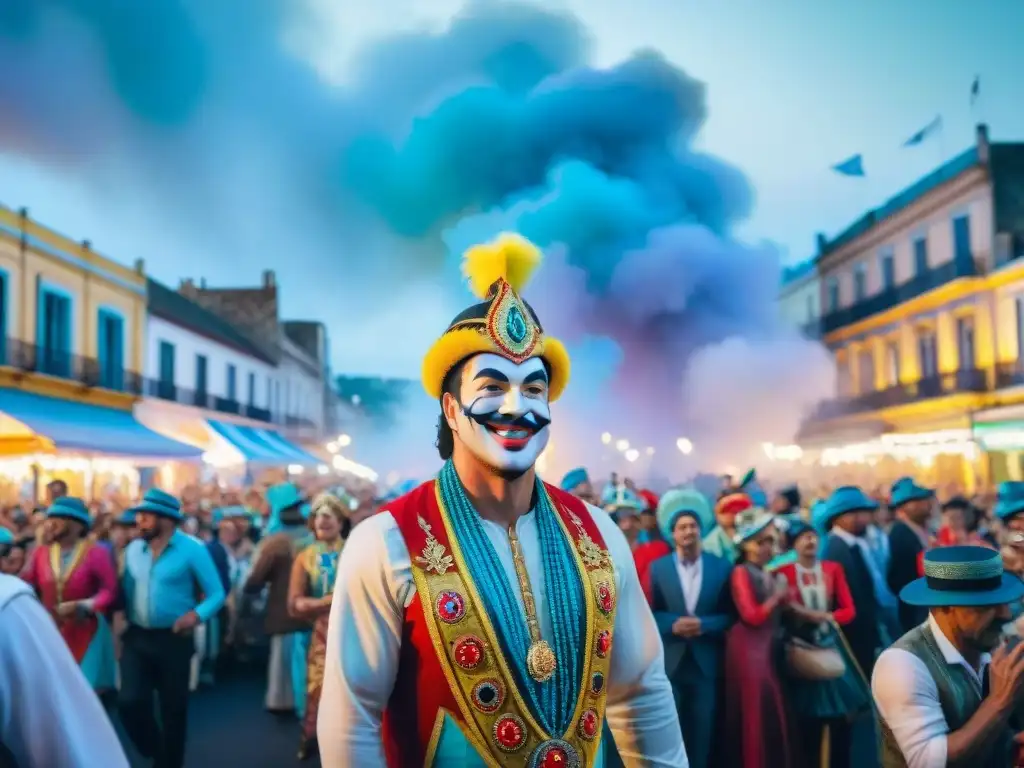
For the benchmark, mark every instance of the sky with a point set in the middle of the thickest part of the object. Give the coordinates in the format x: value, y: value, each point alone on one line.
x: 792, y: 88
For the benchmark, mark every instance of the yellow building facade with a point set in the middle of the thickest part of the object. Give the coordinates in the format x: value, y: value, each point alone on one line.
x: 921, y: 306
x: 72, y: 341
x: 73, y: 321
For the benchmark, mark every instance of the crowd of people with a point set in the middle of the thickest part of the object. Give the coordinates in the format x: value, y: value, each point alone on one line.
x: 148, y: 600
x: 485, y: 617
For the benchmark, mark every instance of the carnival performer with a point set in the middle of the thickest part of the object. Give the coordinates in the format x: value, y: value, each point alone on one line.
x: 941, y: 698
x: 76, y: 581
x: 577, y: 482
x: 689, y: 595
x: 820, y: 605
x: 309, y: 598
x: 488, y: 616
x: 757, y: 727
x: 122, y: 533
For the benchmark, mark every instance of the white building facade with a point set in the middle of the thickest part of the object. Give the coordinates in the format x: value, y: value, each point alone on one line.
x: 800, y: 297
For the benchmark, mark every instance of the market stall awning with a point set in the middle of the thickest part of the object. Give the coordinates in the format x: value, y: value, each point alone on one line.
x: 263, y: 446
x: 68, y: 425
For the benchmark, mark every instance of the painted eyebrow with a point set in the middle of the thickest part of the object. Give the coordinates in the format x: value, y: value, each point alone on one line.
x: 541, y: 376
x: 491, y: 373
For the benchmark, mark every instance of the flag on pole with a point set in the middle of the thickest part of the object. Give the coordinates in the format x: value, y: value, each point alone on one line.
x: 932, y: 128
x: 853, y: 166
x: 975, y: 89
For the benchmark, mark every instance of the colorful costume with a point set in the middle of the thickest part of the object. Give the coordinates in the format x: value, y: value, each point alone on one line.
x: 488, y: 645
x: 320, y: 561
x: 757, y: 731
x: 83, y: 575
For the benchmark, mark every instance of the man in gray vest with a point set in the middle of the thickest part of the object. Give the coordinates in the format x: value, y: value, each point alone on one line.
x: 942, y: 699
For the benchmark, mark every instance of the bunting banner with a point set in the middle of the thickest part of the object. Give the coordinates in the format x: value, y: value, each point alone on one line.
x: 853, y: 166
x: 929, y: 130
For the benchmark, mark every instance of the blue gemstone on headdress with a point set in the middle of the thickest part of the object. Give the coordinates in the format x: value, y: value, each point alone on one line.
x: 515, y: 324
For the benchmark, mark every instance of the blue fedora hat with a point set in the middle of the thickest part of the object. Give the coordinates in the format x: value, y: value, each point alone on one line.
x: 158, y: 502
x: 126, y: 518
x: 683, y: 501
x: 1010, y: 500
x: 70, y: 508
x: 906, y: 490
x: 845, y: 499
x: 750, y: 523
x: 963, y: 576
x: 574, y: 478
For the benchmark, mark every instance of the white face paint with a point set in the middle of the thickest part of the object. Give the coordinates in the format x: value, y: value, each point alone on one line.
x: 504, y: 413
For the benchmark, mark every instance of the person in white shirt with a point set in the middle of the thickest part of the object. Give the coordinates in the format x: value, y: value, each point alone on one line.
x: 942, y: 699
x: 49, y: 714
x: 486, y: 617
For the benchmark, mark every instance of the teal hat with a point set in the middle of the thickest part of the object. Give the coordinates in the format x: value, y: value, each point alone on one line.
x: 965, y: 576
x: 619, y: 498
x: 284, y: 496
x: 6, y: 537
x: 126, y: 518
x: 70, y: 508
x: 906, y: 490
x: 574, y: 478
x: 819, y: 513
x: 158, y: 502
x: 795, y: 529
x: 845, y: 499
x: 1010, y: 501
x: 683, y: 501
x: 750, y: 522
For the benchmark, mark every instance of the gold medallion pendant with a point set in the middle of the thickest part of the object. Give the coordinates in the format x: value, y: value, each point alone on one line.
x: 541, y: 662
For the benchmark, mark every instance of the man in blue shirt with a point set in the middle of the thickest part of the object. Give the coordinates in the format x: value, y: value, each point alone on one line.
x: 170, y: 586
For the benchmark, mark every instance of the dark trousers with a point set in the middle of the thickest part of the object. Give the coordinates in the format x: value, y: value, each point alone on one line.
x: 156, y: 661
x: 696, y: 702
x: 840, y: 742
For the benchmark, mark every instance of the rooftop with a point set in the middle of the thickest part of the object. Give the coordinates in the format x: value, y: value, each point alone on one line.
x: 981, y: 154
x: 171, y: 306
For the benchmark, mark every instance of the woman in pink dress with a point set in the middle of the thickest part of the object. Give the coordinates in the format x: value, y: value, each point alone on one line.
x: 76, y: 582
x: 757, y: 728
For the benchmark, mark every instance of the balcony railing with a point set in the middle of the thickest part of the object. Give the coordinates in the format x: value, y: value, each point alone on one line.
x: 87, y: 371
x: 166, y: 390
x: 955, y: 382
x: 935, y: 277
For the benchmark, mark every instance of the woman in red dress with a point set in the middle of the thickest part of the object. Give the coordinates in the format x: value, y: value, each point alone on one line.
x: 757, y: 728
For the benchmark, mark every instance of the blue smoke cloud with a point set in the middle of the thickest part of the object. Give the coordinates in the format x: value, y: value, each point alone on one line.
x: 440, y: 140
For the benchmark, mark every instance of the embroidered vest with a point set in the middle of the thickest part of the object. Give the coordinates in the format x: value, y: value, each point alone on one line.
x: 958, y: 695
x: 452, y: 667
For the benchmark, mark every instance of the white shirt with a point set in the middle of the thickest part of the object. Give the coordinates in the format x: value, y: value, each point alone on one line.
x: 49, y: 714
x: 908, y: 700
x: 365, y: 633
x: 691, y: 576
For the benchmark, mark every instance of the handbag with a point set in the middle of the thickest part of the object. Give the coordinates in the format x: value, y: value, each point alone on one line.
x: 807, y: 661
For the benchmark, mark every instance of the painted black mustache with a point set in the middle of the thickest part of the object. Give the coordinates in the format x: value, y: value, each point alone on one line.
x: 530, y: 421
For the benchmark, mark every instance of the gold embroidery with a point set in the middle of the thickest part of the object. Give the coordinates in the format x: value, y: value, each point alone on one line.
x: 592, y: 554
x: 434, y: 556
x: 479, y: 726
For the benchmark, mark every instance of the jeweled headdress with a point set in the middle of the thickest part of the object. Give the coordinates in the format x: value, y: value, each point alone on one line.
x: 502, y: 324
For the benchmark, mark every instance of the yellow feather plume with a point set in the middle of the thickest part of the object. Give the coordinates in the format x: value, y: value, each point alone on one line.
x: 509, y: 256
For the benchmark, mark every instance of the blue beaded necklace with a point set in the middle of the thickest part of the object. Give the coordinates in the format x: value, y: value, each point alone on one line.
x: 553, y: 703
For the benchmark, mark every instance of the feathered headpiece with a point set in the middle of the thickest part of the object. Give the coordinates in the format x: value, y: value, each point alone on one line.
x: 502, y: 324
